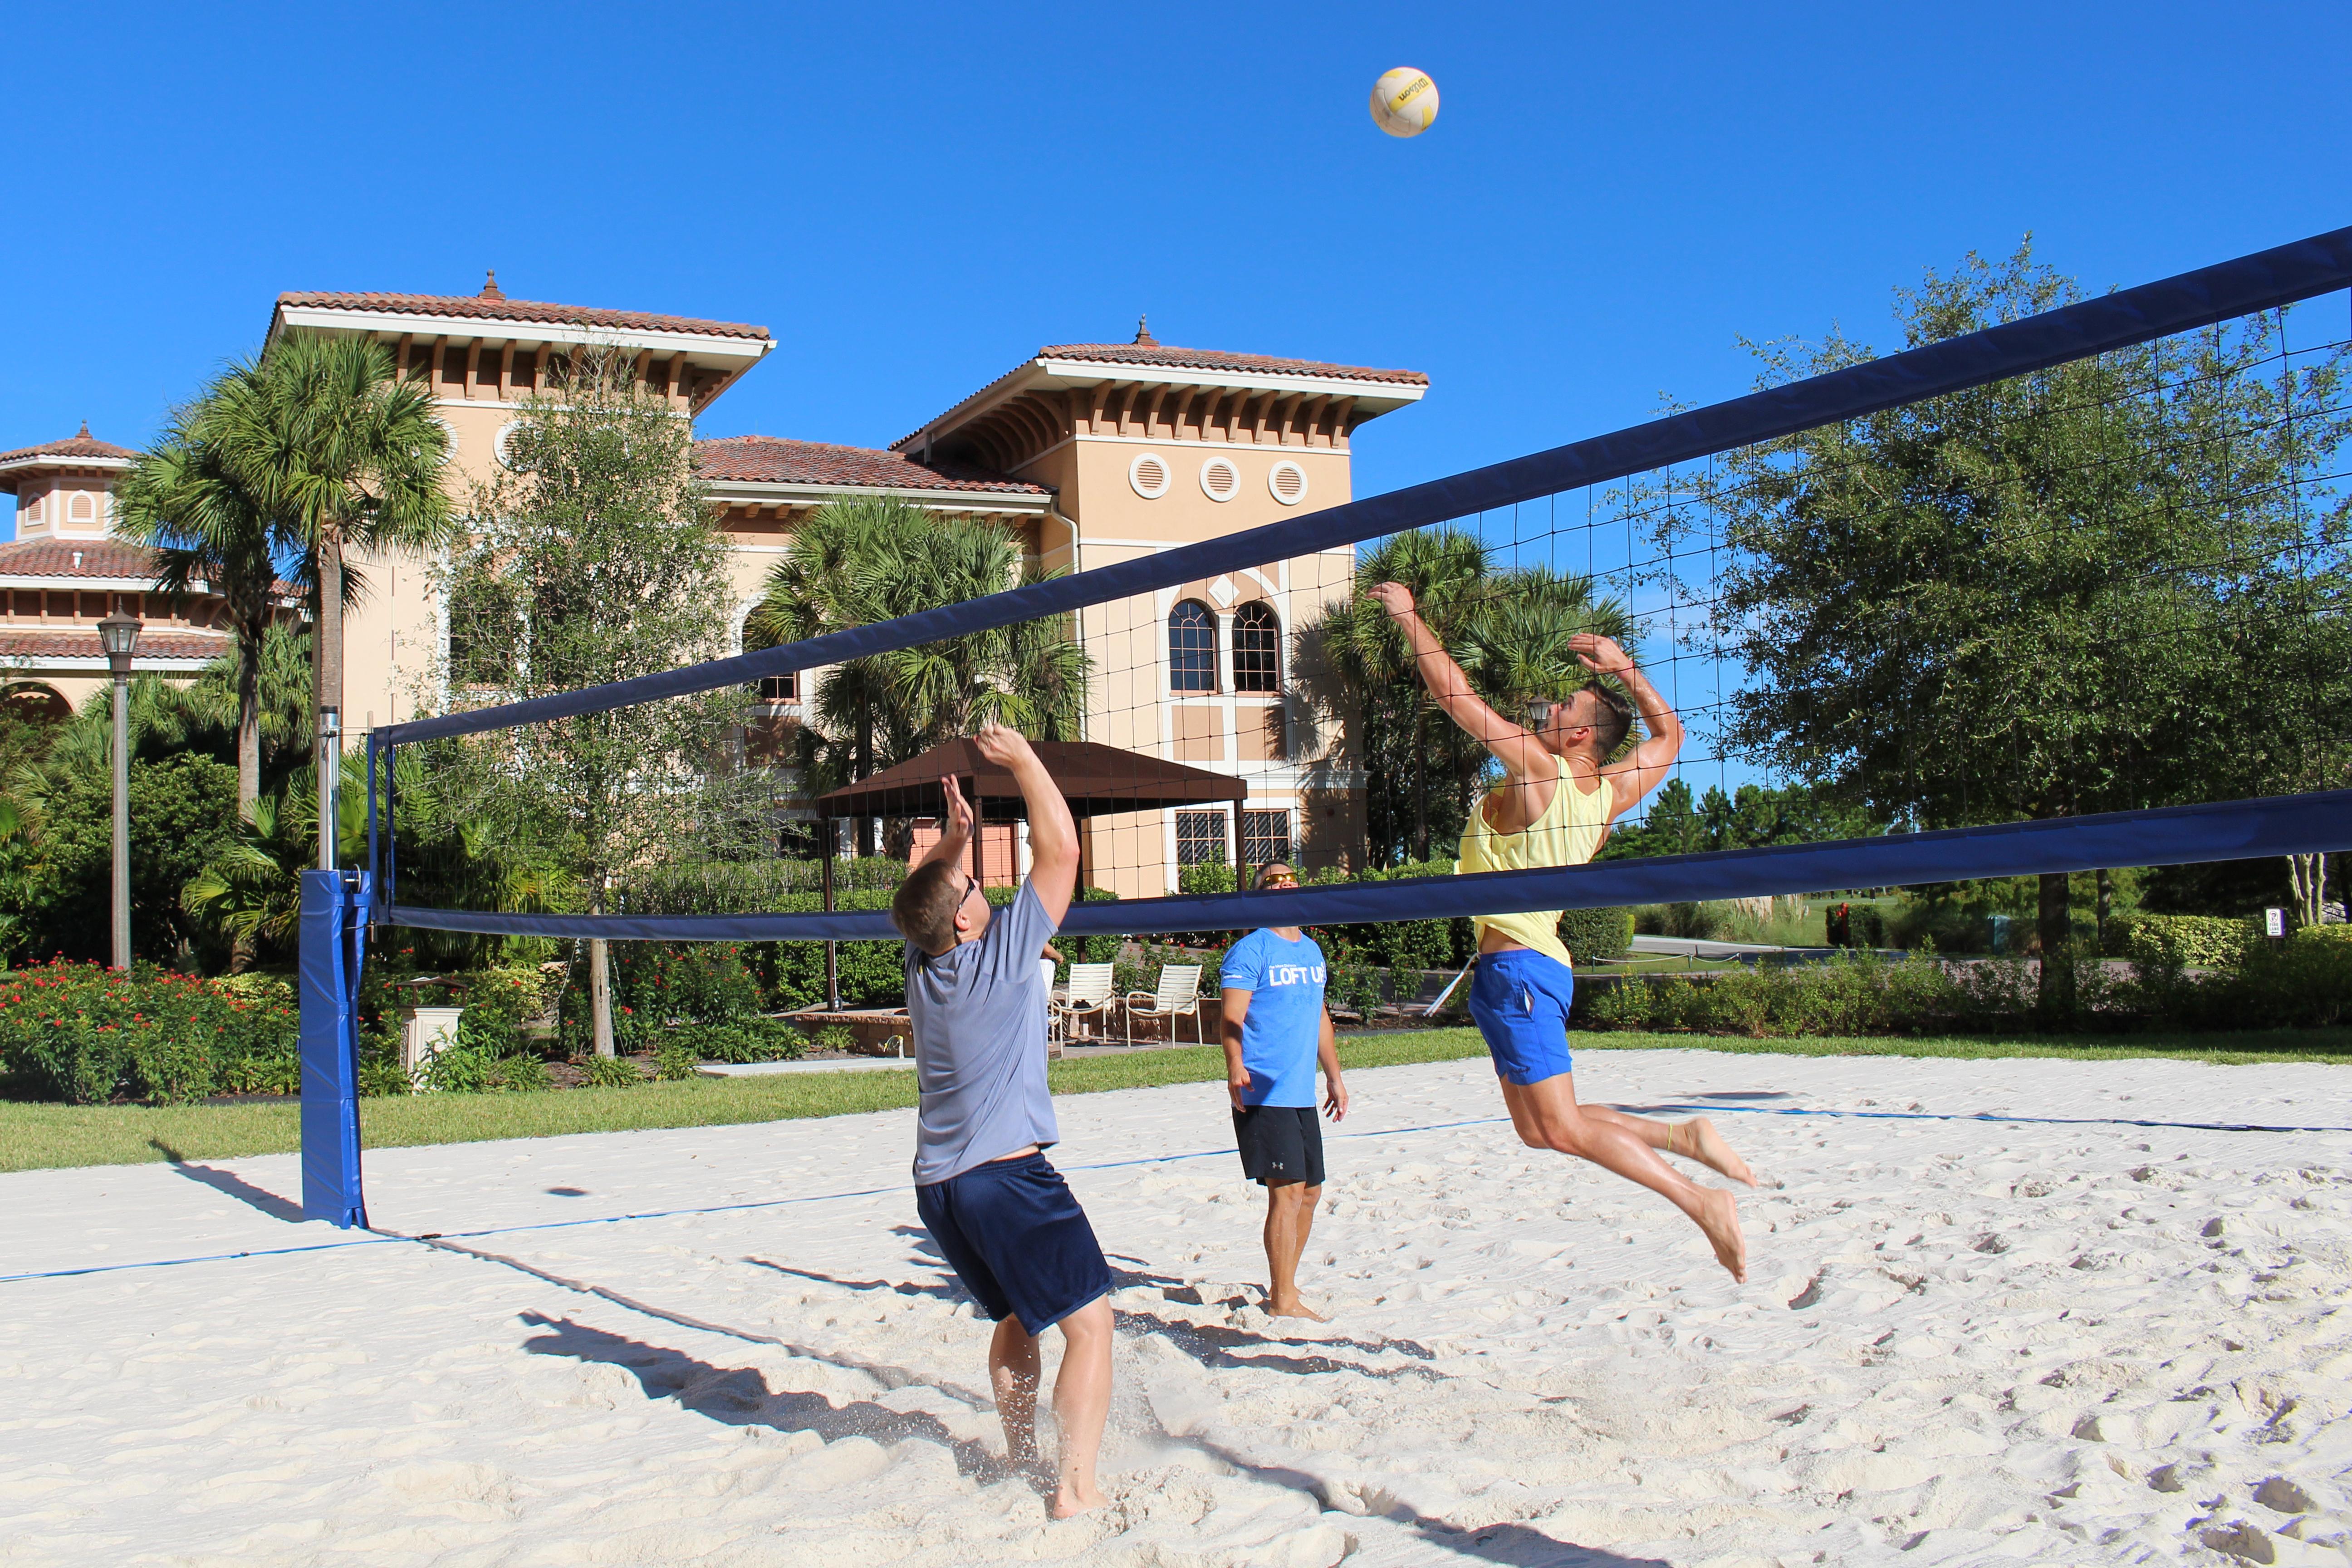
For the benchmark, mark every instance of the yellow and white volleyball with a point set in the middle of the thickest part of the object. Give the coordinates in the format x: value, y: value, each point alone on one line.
x: 1404, y: 101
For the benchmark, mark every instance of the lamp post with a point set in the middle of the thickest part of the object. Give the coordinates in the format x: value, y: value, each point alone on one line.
x: 118, y: 634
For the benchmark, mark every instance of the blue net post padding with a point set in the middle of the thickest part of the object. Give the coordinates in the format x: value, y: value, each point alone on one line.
x: 2182, y: 835
x: 334, y: 905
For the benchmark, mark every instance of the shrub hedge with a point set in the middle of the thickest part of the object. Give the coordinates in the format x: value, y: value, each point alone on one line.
x: 2183, y: 942
x: 88, y: 1035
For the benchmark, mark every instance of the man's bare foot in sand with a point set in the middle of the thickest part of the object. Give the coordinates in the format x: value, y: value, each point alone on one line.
x: 1719, y: 1217
x: 1711, y: 1151
x: 1293, y: 1308
x: 1070, y: 1501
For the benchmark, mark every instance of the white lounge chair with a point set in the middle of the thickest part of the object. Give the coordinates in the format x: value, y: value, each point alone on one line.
x: 1179, y: 995
x: 1087, y: 995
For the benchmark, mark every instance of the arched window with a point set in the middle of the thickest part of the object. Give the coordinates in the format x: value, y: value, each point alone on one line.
x: 1191, y: 648
x: 81, y: 509
x: 1258, y: 649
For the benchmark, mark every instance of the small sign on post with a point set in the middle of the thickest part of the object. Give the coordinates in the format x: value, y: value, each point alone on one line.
x: 2274, y: 922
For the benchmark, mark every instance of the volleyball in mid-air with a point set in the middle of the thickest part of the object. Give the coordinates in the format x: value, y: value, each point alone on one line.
x: 1404, y: 101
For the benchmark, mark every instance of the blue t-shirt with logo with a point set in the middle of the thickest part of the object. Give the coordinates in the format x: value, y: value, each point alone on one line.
x: 1285, y: 1021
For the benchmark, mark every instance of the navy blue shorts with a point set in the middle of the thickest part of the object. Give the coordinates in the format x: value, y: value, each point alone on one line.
x: 1017, y: 1238
x: 1519, y: 999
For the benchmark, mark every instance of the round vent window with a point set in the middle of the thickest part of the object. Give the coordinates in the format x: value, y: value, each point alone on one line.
x: 1288, y: 481
x: 500, y: 444
x: 1220, y: 481
x: 1149, y: 475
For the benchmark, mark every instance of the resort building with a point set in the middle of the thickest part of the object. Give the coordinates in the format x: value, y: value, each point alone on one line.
x: 1087, y: 453
x: 65, y: 571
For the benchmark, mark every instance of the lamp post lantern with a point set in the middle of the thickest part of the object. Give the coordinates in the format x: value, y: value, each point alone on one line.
x: 118, y: 634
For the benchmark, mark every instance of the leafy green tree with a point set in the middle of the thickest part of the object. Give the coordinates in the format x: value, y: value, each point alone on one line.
x: 340, y: 454
x: 247, y: 895
x: 1751, y: 818
x: 595, y: 558
x: 182, y: 809
x: 854, y: 562
x: 1508, y: 627
x: 2098, y: 587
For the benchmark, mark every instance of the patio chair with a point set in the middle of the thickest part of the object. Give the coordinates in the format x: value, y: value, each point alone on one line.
x: 1179, y: 995
x: 1087, y: 995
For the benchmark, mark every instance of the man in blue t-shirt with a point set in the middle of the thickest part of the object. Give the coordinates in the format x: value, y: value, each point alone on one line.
x: 1002, y: 1215
x: 1276, y: 1032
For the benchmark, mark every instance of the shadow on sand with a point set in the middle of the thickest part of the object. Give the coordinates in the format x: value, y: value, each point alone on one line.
x: 230, y: 1183
x: 739, y: 1396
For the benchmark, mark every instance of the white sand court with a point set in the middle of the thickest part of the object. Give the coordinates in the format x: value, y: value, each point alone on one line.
x: 2064, y: 1340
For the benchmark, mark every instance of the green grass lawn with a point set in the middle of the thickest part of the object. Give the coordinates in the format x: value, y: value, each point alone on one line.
x: 36, y: 1136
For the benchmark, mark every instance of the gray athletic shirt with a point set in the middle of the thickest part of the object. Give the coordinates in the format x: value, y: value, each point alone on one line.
x: 979, y: 1016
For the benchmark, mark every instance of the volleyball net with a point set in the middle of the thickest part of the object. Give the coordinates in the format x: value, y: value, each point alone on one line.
x: 2063, y: 585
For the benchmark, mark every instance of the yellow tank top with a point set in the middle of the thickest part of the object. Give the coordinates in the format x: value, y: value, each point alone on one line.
x: 1566, y: 834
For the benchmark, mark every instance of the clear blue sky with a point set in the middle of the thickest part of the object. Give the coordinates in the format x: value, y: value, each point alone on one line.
x: 913, y: 198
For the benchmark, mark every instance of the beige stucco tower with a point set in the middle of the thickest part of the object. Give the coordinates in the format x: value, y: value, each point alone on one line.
x: 66, y: 569
x: 482, y: 355
x: 1145, y: 446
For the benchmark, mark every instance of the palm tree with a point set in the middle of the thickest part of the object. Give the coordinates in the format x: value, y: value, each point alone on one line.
x: 249, y: 895
x: 1508, y: 630
x: 180, y: 501
x: 855, y: 563
x: 340, y: 453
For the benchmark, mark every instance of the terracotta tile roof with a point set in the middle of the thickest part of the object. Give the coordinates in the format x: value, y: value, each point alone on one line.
x: 1164, y: 356
x: 99, y: 558
x: 776, y: 461
x: 72, y: 447
x: 184, y: 643
x: 488, y: 308
x: 56, y: 558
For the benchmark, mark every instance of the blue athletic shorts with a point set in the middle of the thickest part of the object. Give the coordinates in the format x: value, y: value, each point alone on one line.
x: 1520, y: 998
x: 1017, y: 1238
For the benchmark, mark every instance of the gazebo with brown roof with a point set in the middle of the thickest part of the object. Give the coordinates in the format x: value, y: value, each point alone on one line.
x: 1096, y: 779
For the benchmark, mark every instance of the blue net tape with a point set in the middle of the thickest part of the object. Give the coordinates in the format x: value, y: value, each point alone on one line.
x: 2262, y: 281
x: 2229, y: 830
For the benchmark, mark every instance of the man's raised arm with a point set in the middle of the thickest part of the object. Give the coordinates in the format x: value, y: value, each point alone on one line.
x: 955, y: 828
x: 1053, y: 836
x: 1646, y: 766
x: 1522, y: 755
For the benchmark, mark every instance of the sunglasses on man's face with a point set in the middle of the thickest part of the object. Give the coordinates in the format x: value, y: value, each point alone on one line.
x: 1281, y: 880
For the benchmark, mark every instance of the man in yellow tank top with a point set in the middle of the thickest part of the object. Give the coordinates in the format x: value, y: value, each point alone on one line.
x: 1564, y: 785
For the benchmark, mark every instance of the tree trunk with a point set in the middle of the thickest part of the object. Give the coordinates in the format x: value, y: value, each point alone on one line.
x: 600, y: 997
x: 2307, y: 874
x: 328, y: 698
x: 2106, y: 907
x: 1420, y: 782
x: 248, y: 728
x: 2055, y: 996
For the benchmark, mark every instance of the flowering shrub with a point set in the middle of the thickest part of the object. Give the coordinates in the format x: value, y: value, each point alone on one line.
x: 89, y: 1035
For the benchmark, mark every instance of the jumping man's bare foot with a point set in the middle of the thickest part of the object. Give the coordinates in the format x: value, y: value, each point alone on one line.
x: 1712, y: 1152
x: 1719, y: 1217
x: 1069, y: 1502
x: 1295, y: 1309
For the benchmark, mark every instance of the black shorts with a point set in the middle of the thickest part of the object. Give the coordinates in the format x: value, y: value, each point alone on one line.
x: 1015, y: 1235
x: 1280, y: 1144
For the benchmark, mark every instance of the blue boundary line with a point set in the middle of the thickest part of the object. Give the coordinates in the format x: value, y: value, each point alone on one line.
x: 383, y: 1238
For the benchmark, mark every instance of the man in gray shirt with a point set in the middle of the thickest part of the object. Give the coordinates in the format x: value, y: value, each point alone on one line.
x: 1002, y: 1215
